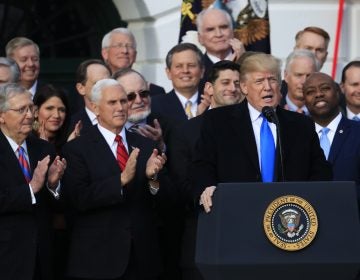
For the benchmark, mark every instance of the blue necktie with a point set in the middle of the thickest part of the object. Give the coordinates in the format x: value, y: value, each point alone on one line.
x: 324, y: 141
x: 356, y: 118
x: 267, y: 151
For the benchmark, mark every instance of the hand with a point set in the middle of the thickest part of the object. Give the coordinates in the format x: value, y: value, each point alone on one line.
x: 56, y: 171
x: 155, y: 163
x: 154, y: 133
x: 205, y: 101
x: 38, y: 178
x: 206, y: 198
x: 76, y: 132
x: 130, y: 168
x: 42, y: 131
x: 238, y: 49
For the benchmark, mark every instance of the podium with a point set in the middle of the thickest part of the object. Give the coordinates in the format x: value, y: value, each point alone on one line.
x: 232, y: 244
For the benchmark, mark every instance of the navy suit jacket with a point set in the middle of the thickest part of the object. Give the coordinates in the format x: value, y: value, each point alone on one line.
x: 345, y: 151
x: 227, y: 151
x: 25, y: 229
x: 82, y: 116
x: 109, y: 219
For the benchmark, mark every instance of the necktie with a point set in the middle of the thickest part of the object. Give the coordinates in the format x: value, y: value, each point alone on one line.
x: 267, y: 151
x: 121, y: 153
x: 188, y: 109
x: 324, y: 141
x: 356, y: 118
x: 24, y: 164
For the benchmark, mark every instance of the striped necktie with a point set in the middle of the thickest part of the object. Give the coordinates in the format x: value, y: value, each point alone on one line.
x: 24, y: 164
x: 188, y: 109
x: 121, y: 153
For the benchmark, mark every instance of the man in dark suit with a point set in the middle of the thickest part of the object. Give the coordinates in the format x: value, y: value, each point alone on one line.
x: 342, y: 141
x: 87, y: 74
x: 185, y: 68
x: 28, y: 187
x: 350, y: 85
x: 113, y: 223
x: 232, y: 140
x: 223, y: 86
x: 216, y: 34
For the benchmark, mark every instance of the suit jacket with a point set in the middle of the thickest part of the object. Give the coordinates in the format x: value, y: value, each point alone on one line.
x: 108, y: 220
x: 25, y: 229
x: 345, y: 151
x: 169, y: 106
x: 227, y: 151
x: 82, y: 116
x: 207, y: 66
x: 156, y: 90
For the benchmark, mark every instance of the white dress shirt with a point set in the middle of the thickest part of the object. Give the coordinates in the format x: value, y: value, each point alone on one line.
x: 193, y: 100
x: 91, y: 116
x: 350, y: 115
x: 332, y: 126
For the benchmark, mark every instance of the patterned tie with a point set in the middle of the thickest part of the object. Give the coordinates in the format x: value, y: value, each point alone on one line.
x: 188, y: 109
x: 24, y: 164
x: 121, y: 153
x: 324, y: 141
x: 356, y: 118
x: 267, y: 151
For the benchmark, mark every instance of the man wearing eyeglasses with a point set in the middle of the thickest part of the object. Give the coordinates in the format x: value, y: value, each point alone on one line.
x: 119, y: 50
x: 29, y: 185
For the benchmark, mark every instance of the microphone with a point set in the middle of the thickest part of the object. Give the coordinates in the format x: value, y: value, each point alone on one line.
x: 269, y: 113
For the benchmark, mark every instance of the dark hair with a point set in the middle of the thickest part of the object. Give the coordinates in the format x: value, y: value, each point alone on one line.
x: 43, y: 94
x: 81, y: 72
x: 355, y: 63
x: 181, y: 48
x: 221, y: 66
x: 123, y: 72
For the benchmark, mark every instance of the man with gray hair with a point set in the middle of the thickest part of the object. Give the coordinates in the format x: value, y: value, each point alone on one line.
x: 103, y: 192
x: 26, y: 53
x: 30, y: 177
x: 119, y: 50
x: 9, y: 71
x: 299, y: 65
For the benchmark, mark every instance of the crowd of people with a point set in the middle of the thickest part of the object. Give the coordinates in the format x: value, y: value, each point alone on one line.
x: 113, y: 190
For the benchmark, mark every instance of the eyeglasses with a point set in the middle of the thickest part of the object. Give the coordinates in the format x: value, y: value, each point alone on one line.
x: 24, y: 110
x: 122, y: 45
x: 131, y: 96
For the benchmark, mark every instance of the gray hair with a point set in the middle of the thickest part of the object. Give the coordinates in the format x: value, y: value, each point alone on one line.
x: 106, y: 41
x: 19, y: 42
x: 8, y: 91
x: 14, y: 68
x: 300, y: 53
x: 200, y: 17
x: 97, y: 89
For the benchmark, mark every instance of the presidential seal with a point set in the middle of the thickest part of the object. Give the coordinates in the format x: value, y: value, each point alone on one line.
x: 290, y: 223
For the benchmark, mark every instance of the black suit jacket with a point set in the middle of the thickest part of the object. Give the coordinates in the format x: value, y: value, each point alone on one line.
x: 156, y: 90
x: 82, y: 116
x: 25, y: 229
x: 227, y: 152
x: 169, y: 106
x: 108, y: 219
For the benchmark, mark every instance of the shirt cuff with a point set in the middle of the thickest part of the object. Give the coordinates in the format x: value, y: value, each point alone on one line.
x: 56, y: 192
x: 33, y: 199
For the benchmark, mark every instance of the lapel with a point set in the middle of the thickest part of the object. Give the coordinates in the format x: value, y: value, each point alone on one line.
x: 9, y: 160
x: 342, y: 132
x: 175, y: 107
x: 241, y: 124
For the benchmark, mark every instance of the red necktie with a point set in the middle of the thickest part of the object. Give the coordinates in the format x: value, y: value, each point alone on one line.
x: 121, y: 153
x: 24, y: 164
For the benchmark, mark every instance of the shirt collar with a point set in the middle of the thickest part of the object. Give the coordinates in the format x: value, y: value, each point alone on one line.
x: 14, y: 145
x: 33, y: 89
x: 183, y: 99
x: 293, y: 107
x: 332, y: 125
x: 254, y: 114
x: 215, y: 59
x: 91, y: 116
x: 350, y: 115
x: 110, y: 136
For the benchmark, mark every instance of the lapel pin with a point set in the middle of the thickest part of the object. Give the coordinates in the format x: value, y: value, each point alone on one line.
x: 341, y: 131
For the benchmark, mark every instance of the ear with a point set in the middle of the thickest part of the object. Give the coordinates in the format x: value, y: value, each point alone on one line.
x: 200, y: 39
x: 209, y: 89
x: 168, y: 73
x: 80, y: 88
x: 286, y: 76
x: 95, y: 108
x: 1, y: 118
x: 243, y: 88
x: 104, y: 54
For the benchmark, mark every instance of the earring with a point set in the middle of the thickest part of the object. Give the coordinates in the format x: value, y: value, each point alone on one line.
x: 36, y: 125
